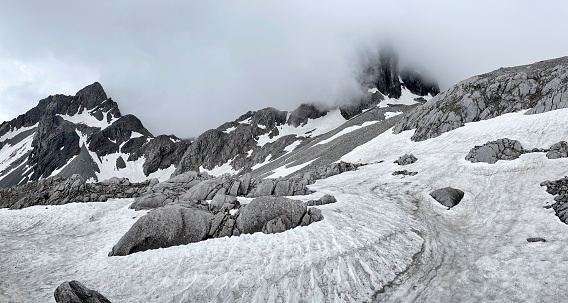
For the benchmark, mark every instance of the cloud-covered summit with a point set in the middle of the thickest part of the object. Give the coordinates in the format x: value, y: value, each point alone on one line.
x: 186, y: 67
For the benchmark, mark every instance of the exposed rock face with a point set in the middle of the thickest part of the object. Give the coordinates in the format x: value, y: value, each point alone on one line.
x: 448, y: 196
x: 369, y: 100
x: 539, y: 87
x: 232, y: 141
x: 57, y: 126
x: 304, y: 112
x: 298, y: 184
x: 162, y: 152
x: 387, y: 79
x: 418, y: 83
x: 58, y: 191
x: 493, y: 151
x: 164, y: 227
x: 259, y: 214
x: 406, y: 159
x: 109, y: 139
x: 75, y: 292
x: 326, y: 199
x: 559, y: 188
x: 558, y: 150
x: 404, y: 173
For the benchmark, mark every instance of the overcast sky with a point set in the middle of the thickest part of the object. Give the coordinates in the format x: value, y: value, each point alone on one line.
x: 184, y: 67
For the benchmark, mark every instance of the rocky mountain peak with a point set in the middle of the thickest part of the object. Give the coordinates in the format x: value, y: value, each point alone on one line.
x: 91, y: 95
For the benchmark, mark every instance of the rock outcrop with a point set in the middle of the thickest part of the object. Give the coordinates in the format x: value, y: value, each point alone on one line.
x: 261, y: 212
x: 448, y: 196
x: 493, y: 151
x: 75, y: 292
x: 58, y: 191
x: 559, y: 188
x: 406, y: 159
x: 164, y: 227
x: 182, y: 222
x: 558, y: 150
x: 326, y: 199
x: 538, y: 88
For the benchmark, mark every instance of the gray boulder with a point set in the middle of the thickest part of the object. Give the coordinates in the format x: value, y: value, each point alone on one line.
x: 221, y: 199
x: 254, y: 216
x: 204, y: 190
x: 326, y: 199
x: 493, y: 151
x: 277, y: 225
x: 75, y: 292
x: 153, y: 200
x: 406, y: 159
x: 558, y: 150
x: 448, y: 196
x: 164, y: 227
x: 312, y: 215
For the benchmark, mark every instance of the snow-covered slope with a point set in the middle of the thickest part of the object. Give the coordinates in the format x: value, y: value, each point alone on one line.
x: 385, y: 239
x: 83, y: 134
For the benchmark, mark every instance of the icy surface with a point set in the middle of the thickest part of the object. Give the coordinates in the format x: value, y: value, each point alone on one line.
x: 391, y: 114
x: 385, y: 239
x: 346, y: 131
x: 87, y: 119
x: 219, y: 170
x: 285, y: 170
x: 406, y: 98
x: 312, y: 128
x: 9, y: 153
x: 14, y: 132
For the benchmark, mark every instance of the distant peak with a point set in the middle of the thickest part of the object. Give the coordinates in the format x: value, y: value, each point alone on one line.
x: 91, y: 95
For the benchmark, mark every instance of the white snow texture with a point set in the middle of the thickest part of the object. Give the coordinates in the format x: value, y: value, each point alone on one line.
x: 385, y: 239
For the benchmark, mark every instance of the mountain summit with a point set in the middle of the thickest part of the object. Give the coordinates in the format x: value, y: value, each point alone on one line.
x: 83, y: 134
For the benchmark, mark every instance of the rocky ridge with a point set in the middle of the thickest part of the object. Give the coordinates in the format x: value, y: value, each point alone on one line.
x: 58, y: 190
x: 66, y: 135
x: 537, y: 88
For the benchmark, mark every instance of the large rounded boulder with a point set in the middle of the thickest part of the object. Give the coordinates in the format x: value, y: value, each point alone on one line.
x: 448, y: 196
x: 164, y: 227
x: 75, y: 292
x: 274, y: 211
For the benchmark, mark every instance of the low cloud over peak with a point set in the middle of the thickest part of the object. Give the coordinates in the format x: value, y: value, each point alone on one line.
x: 186, y: 67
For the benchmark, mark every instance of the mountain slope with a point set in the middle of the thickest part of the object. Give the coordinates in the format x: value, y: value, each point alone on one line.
x: 539, y: 87
x: 385, y: 240
x: 83, y: 134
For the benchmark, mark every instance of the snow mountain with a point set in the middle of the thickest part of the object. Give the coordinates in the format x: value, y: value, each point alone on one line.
x: 404, y: 195
x: 83, y: 134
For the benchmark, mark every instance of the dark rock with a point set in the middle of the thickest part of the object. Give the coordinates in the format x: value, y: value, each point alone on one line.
x: 406, y: 159
x: 326, y: 199
x: 57, y: 190
x: 120, y: 164
x: 75, y: 292
x: 558, y: 150
x: 303, y: 113
x: 448, y: 196
x: 418, y: 83
x: 404, y: 173
x: 164, y: 227
x: 559, y: 188
x: 493, y: 151
x: 254, y: 216
x: 312, y: 215
x: 536, y: 240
